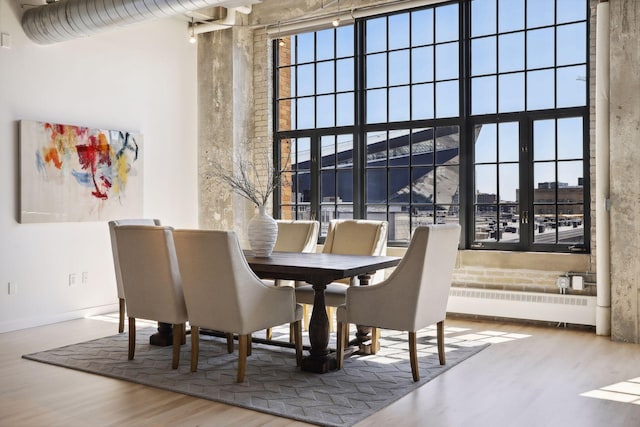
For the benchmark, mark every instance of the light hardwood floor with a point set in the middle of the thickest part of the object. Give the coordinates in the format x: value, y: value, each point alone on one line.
x: 534, y: 377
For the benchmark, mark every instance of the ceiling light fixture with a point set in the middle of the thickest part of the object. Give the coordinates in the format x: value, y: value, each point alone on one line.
x: 336, y: 21
x: 281, y: 41
x: 192, y: 38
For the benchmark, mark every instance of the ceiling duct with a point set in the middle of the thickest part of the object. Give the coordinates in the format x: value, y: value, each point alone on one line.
x: 70, y: 19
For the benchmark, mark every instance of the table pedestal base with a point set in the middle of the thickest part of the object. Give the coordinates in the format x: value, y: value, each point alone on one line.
x: 164, y: 336
x: 318, y: 366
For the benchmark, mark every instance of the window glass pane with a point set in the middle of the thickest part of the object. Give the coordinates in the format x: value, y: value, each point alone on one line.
x: 422, y: 101
x: 421, y: 215
x: 345, y: 185
x: 399, y: 185
x: 305, y: 47
x: 447, y: 61
x: 483, y: 95
x: 304, y: 153
x: 422, y: 179
x: 509, y: 180
x: 345, y: 151
x: 544, y: 140
x: 571, y: 10
x: 306, y: 77
x: 422, y: 146
x: 286, y: 86
x: 544, y: 178
x: 288, y: 212
x: 344, y: 41
x: 377, y: 212
x: 486, y: 219
x: 510, y: 15
x: 422, y: 64
x: 324, y: 81
x: 511, y: 52
x: 326, y: 111
x: 376, y: 106
x: 540, y: 89
x: 447, y: 184
x: 376, y: 70
x: 540, y: 13
x: 447, y: 102
x: 483, y: 56
x: 447, y: 144
x: 303, y: 188
x: 328, y: 186
x: 376, y: 148
x: 571, y: 44
x: 486, y: 143
x: 399, y: 68
x: 509, y: 142
x: 287, y: 188
x: 446, y: 23
x: 570, y: 138
x: 306, y: 113
x: 508, y: 225
x: 569, y: 174
x: 345, y: 109
x: 399, y: 31
x: 544, y: 224
x: 572, y: 86
x: 376, y: 185
x: 422, y: 27
x: 324, y: 44
x: 540, y: 45
x: 327, y: 151
x: 344, y: 75
x: 483, y: 17
x: 398, y: 105
x: 511, y: 92
x: 486, y: 183
x: 376, y: 38
x: 399, y: 223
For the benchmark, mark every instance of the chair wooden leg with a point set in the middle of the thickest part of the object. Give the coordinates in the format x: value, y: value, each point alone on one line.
x: 121, y: 320
x: 375, y: 340
x: 440, y: 339
x: 330, y: 312
x: 297, y: 337
x: 178, y: 333
x: 269, y: 334
x: 340, y: 343
x: 195, y: 347
x: 243, y: 344
x: 132, y: 337
x: 249, y: 345
x: 230, y: 343
x: 292, y: 332
x: 306, y: 316
x: 413, y: 356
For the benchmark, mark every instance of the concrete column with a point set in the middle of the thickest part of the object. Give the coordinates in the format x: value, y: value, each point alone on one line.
x: 625, y: 170
x: 225, y: 122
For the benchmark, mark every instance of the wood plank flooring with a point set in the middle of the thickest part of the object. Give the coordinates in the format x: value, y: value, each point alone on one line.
x: 534, y: 377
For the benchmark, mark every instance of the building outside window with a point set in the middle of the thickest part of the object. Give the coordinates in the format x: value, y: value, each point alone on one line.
x: 473, y: 112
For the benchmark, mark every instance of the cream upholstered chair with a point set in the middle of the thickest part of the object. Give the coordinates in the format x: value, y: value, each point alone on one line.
x: 413, y: 297
x: 223, y: 294
x: 151, y: 280
x: 295, y: 236
x: 116, y: 262
x: 348, y: 237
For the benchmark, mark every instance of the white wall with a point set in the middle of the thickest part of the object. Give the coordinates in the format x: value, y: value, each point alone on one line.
x: 141, y: 78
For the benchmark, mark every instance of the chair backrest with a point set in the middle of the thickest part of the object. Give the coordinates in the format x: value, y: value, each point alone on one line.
x: 357, y: 237
x: 150, y: 273
x: 221, y: 290
x: 114, y: 247
x: 423, y: 278
x: 297, y: 236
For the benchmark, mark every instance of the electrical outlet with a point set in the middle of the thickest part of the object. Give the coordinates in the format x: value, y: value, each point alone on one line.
x: 563, y: 282
x: 73, y: 279
x: 85, y: 277
x: 12, y: 288
x: 577, y: 283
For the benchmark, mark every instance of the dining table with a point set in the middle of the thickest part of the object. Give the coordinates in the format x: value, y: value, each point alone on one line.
x: 320, y: 269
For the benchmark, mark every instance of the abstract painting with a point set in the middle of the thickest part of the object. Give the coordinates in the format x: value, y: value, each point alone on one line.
x: 75, y: 173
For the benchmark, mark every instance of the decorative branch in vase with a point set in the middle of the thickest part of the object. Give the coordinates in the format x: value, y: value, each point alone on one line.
x: 256, y: 182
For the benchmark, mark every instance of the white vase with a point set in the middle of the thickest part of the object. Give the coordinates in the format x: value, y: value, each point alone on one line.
x: 262, y: 232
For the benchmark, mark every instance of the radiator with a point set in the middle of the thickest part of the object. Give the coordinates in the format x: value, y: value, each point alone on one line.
x: 575, y: 309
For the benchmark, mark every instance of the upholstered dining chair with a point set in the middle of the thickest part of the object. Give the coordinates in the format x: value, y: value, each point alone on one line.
x: 222, y: 293
x: 295, y: 236
x: 413, y: 297
x: 116, y: 261
x: 347, y: 237
x: 151, y: 280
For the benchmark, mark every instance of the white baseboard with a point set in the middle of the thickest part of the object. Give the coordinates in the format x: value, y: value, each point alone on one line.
x: 61, y: 317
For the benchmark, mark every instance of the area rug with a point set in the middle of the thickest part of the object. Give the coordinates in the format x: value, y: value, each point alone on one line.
x: 272, y: 383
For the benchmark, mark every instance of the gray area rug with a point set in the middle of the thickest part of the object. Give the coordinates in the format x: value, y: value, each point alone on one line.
x: 272, y: 383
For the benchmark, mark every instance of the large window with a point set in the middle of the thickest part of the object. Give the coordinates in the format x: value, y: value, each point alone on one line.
x: 468, y: 111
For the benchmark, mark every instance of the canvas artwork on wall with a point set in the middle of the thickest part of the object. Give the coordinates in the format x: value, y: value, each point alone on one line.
x: 75, y: 173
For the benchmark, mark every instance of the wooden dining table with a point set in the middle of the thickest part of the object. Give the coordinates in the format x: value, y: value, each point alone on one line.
x: 319, y: 269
